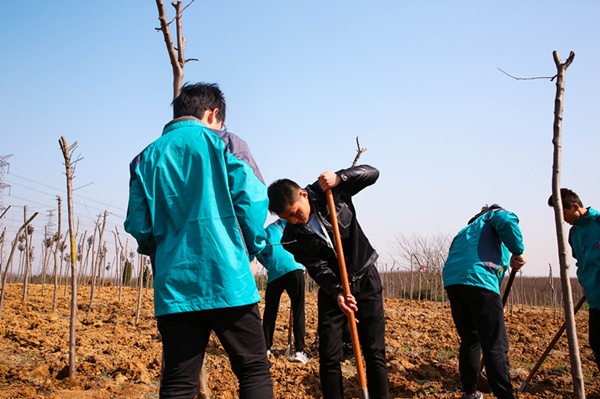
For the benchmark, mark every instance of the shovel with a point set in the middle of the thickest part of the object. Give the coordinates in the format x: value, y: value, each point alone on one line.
x: 288, y: 351
x: 558, y: 334
x: 362, y: 378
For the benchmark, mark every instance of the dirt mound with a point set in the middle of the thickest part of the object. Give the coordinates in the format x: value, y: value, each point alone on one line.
x: 116, y: 358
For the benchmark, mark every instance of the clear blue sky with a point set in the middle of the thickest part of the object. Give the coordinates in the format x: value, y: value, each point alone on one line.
x: 416, y: 81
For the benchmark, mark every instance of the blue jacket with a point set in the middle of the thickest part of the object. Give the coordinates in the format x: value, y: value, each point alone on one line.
x: 584, y: 238
x: 274, y: 258
x: 480, y: 253
x: 197, y: 206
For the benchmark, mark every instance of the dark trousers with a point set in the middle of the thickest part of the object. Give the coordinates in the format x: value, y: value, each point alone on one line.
x: 479, y: 318
x: 185, y: 335
x: 595, y: 334
x: 293, y: 284
x: 371, y: 332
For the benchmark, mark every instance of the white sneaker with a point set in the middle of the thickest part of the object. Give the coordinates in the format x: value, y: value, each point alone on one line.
x: 300, y: 357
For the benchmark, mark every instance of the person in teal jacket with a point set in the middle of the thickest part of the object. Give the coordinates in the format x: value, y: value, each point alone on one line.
x: 584, y: 238
x: 197, y: 207
x: 478, y: 259
x: 283, y: 274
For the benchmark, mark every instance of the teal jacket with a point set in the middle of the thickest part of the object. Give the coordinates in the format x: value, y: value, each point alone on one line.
x: 197, y: 207
x: 274, y: 257
x: 584, y: 238
x: 480, y: 253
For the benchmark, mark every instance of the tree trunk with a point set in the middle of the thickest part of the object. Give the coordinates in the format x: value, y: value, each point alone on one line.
x: 56, y: 249
x: 98, y: 264
x: 576, y: 372
x: 69, y: 172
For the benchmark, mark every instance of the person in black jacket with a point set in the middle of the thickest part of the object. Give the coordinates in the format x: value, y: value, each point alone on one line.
x: 308, y: 236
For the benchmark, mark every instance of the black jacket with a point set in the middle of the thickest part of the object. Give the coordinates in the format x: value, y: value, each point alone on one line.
x: 314, y: 252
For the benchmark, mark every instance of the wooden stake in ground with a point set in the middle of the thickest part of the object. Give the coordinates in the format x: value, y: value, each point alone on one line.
x: 362, y: 378
x: 576, y: 372
x: 70, y: 169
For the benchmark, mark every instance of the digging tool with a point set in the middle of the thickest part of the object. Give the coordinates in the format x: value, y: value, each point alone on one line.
x: 288, y: 350
x: 483, y: 381
x: 558, y: 334
x: 362, y: 378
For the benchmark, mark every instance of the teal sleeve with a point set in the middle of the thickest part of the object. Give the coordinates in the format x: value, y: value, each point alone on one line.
x: 507, y: 226
x: 139, y: 222
x: 250, y: 202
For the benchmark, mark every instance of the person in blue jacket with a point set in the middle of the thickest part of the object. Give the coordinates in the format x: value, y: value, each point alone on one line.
x: 584, y: 238
x: 197, y: 207
x: 477, y: 261
x: 283, y: 274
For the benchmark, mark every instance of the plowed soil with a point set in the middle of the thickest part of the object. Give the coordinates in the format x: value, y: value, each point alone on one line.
x: 117, y: 359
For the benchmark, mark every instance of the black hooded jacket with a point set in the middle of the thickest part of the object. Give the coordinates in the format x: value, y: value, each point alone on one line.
x: 312, y: 251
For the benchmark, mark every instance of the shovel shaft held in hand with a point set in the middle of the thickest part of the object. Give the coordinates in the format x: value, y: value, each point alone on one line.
x: 362, y: 378
x: 557, y: 336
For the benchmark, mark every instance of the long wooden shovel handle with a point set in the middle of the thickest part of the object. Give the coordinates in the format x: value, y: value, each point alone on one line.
x: 362, y: 378
x: 509, y: 284
x: 557, y: 336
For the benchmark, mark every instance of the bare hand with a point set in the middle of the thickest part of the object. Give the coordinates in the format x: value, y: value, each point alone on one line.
x: 328, y: 180
x: 347, y: 304
x: 517, y: 262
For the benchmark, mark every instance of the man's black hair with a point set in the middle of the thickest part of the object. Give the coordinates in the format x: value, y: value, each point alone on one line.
x: 568, y: 199
x: 485, y: 209
x: 195, y: 99
x: 282, y: 193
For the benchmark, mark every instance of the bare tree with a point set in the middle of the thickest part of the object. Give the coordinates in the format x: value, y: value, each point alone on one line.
x: 12, y: 252
x: 56, y: 249
x: 70, y: 170
x: 175, y: 53
x: 426, y: 255
x: 576, y: 372
x: 99, y: 257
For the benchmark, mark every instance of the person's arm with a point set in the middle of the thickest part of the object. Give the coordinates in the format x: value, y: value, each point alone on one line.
x: 139, y: 222
x: 353, y: 180
x: 315, y: 255
x: 506, y: 225
x: 248, y: 193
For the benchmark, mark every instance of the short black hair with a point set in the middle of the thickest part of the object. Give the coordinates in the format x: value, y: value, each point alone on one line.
x: 485, y: 209
x: 568, y: 199
x: 282, y: 193
x: 195, y: 99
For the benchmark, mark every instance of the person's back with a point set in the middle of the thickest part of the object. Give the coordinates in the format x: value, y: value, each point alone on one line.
x: 197, y: 205
x: 477, y: 261
x: 185, y: 175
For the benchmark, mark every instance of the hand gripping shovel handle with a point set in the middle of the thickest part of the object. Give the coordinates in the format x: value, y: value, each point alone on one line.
x: 362, y: 378
x: 557, y: 336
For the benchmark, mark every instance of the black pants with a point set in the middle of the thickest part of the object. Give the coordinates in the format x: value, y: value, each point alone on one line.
x: 371, y: 332
x: 479, y: 318
x: 595, y: 334
x: 293, y: 284
x: 185, y: 336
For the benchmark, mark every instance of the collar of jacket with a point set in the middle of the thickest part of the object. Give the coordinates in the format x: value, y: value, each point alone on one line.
x: 590, y: 216
x: 182, y: 121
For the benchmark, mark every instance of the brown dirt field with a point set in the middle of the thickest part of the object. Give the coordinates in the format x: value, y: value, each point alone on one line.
x: 116, y: 359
